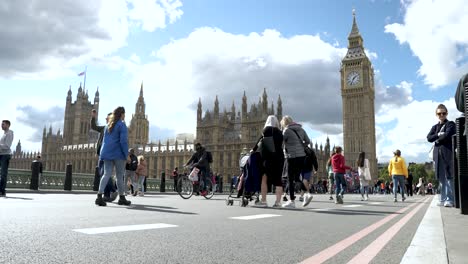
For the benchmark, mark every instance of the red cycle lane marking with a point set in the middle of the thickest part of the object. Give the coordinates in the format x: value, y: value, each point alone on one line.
x: 331, y: 251
x: 367, y: 254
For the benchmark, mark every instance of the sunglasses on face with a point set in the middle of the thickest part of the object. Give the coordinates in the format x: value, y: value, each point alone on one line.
x: 442, y: 113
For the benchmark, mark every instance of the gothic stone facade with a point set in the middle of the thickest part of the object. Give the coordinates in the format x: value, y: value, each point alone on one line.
x: 358, y: 93
x: 224, y: 134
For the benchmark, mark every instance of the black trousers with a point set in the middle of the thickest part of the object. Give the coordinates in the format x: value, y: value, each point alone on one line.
x: 409, y: 188
x: 293, y: 167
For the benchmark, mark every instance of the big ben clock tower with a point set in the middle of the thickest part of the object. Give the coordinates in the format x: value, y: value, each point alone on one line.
x: 357, y: 92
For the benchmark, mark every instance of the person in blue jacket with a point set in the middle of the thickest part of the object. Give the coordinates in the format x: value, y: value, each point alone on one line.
x: 114, y: 152
x: 441, y: 134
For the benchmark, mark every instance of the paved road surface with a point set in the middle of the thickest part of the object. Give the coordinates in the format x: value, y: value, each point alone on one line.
x: 69, y: 228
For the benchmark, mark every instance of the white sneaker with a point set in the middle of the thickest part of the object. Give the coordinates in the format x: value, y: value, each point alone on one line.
x: 277, y: 205
x: 289, y: 204
x: 307, y: 198
x: 366, y: 199
x: 261, y: 204
x: 448, y: 204
x: 339, y: 198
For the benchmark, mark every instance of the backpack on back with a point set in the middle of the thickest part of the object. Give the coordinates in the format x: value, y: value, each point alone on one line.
x: 209, y: 157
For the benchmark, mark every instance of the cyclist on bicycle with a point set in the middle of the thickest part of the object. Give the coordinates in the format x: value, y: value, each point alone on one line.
x: 201, y: 161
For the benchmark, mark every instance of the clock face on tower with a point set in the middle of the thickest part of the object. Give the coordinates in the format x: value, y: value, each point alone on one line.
x: 353, y: 78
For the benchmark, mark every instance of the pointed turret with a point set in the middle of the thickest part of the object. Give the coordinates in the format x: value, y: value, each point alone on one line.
x: 69, y: 95
x: 354, y: 30
x: 355, y: 42
x: 96, y: 97
x: 18, y: 148
x: 265, y: 102
x: 279, y: 108
x: 244, y: 106
x: 80, y: 92
x: 216, y: 108
x: 141, y: 89
x: 199, y: 110
x: 233, y: 111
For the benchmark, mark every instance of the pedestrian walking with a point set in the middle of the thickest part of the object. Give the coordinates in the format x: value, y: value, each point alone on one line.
x: 273, y: 160
x: 130, y: 168
x: 399, y: 172
x: 364, y: 175
x: 331, y: 175
x: 175, y: 177
x: 409, y: 184
x: 5, y: 155
x: 294, y: 139
x: 114, y: 152
x: 110, y: 192
x: 140, y: 174
x: 339, y: 170
x: 441, y: 135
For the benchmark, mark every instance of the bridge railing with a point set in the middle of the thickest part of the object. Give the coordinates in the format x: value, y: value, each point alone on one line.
x: 21, y: 179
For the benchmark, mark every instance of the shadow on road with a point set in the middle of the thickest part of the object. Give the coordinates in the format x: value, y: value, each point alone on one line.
x: 19, y: 198
x: 153, y: 208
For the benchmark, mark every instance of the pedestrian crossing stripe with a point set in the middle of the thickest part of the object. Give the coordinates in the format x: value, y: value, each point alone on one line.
x: 352, y: 205
x: 252, y: 217
x: 125, y: 228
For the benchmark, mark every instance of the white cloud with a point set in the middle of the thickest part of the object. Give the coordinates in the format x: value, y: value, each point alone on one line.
x: 304, y: 69
x: 435, y: 31
x: 45, y: 39
x: 413, y: 122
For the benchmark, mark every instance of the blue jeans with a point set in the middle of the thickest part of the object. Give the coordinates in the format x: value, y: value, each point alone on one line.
x: 446, y: 188
x: 4, y: 163
x: 119, y: 173
x: 141, y: 181
x: 340, y: 183
x: 398, y: 179
x: 110, y: 187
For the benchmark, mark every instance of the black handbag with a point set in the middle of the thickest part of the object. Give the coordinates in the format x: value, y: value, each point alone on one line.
x: 268, y: 144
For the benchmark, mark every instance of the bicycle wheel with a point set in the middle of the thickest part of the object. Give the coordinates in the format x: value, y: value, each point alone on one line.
x: 185, y: 187
x: 209, y: 188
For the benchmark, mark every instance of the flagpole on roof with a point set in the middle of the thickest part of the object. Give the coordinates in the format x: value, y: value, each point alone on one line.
x: 84, y: 82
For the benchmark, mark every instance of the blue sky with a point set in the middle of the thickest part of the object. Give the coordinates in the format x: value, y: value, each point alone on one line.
x: 186, y: 50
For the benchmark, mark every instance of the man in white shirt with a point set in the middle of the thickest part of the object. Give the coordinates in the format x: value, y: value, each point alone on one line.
x: 5, y: 155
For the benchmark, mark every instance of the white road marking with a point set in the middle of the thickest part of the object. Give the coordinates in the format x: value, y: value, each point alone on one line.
x: 428, y: 245
x: 321, y: 209
x: 352, y: 205
x: 115, y: 229
x: 252, y: 217
x: 375, y: 203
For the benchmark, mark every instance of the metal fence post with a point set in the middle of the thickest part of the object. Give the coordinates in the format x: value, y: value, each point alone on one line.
x: 67, y: 186
x: 162, y: 187
x: 35, y: 168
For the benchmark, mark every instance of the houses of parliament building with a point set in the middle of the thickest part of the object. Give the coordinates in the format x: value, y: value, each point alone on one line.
x: 226, y: 134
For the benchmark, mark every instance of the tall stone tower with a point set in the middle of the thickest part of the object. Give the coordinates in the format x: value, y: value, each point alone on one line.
x: 357, y: 91
x: 138, y: 133
x: 77, y: 116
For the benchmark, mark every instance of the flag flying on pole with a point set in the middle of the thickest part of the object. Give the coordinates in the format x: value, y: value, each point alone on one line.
x: 82, y: 73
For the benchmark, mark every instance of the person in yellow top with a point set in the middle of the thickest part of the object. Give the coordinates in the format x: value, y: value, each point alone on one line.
x: 399, y: 172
